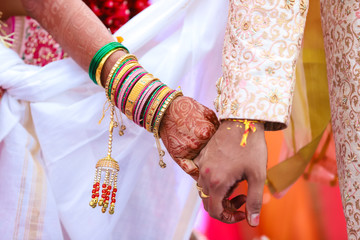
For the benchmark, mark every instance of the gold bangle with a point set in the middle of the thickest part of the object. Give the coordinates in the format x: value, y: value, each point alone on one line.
x: 101, y: 65
x: 135, y: 92
x: 154, y: 105
x: 163, y: 110
x: 116, y: 65
x: 119, y: 76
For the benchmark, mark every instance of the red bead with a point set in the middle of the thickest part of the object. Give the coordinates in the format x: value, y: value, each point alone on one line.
x: 93, y: 196
x: 109, y: 187
x: 94, y: 186
x: 115, y: 190
x: 107, y: 198
x: 109, y: 4
x: 95, y: 9
x: 108, y: 193
x: 103, y: 195
x: 104, y: 185
x: 97, y: 195
x: 109, y: 21
x: 113, y: 200
x: 113, y: 194
x: 93, y: 191
x: 97, y: 184
x: 103, y: 191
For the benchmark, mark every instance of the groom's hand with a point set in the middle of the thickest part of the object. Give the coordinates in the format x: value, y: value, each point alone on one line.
x: 223, y: 163
x: 186, y: 128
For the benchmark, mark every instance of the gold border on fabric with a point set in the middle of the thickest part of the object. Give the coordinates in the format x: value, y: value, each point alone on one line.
x: 21, y: 192
x: 38, y: 196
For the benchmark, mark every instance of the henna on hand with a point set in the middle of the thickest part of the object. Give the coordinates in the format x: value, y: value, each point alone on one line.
x: 186, y: 128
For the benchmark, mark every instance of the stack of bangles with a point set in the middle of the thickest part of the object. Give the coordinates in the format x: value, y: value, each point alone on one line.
x: 141, y: 97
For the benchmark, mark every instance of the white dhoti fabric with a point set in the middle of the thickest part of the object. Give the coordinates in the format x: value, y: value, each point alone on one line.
x: 50, y: 140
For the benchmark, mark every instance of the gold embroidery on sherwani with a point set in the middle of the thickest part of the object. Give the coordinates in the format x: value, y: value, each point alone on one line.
x: 303, y: 7
x: 262, y: 42
x: 341, y: 30
x: 289, y: 4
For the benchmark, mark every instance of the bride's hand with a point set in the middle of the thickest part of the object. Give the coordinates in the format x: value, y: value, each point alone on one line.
x: 186, y: 128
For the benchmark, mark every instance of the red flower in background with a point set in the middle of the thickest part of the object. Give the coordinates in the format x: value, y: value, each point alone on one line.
x: 115, y: 13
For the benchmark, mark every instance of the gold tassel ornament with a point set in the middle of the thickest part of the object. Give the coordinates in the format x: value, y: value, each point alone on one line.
x: 106, y: 168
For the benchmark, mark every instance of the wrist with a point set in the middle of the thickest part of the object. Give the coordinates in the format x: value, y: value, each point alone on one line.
x: 109, y: 64
x: 248, y: 131
x: 234, y: 122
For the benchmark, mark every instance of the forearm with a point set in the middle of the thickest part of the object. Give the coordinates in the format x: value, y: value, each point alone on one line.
x: 75, y: 27
x: 262, y: 44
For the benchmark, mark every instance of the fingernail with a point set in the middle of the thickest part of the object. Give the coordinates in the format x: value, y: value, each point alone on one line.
x: 254, y: 219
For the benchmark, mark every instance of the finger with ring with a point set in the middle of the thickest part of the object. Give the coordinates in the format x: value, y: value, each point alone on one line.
x: 202, y: 194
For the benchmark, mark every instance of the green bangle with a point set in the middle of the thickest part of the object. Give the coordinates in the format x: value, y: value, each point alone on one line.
x: 99, y: 56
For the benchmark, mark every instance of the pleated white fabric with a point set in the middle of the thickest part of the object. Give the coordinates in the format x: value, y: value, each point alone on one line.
x: 50, y: 140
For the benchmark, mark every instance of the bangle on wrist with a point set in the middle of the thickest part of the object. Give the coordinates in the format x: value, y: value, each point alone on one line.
x: 137, y: 94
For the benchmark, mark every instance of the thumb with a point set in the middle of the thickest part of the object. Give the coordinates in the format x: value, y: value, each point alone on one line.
x: 254, y: 200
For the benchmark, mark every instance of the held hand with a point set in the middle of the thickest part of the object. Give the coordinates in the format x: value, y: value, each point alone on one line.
x: 186, y: 128
x: 223, y: 163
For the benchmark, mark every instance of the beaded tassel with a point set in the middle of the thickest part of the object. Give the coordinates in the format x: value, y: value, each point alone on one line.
x: 109, y: 168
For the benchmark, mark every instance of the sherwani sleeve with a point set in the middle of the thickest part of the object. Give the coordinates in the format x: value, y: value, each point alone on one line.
x: 262, y: 43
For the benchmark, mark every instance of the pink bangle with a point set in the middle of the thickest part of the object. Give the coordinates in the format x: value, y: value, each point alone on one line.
x: 137, y: 100
x: 142, y: 101
x: 126, y: 82
x: 130, y: 87
x: 120, y: 82
x: 123, y: 81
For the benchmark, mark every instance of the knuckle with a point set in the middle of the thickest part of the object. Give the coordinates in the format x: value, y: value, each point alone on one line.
x: 203, y: 170
x: 215, y: 181
x: 213, y: 178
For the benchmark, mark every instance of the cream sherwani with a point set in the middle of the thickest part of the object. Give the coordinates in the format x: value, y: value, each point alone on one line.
x: 262, y: 43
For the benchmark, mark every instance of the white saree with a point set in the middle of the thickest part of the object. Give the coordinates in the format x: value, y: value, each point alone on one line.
x: 50, y: 140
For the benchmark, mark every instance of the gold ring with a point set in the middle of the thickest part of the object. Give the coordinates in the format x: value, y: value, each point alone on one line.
x: 200, y: 189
